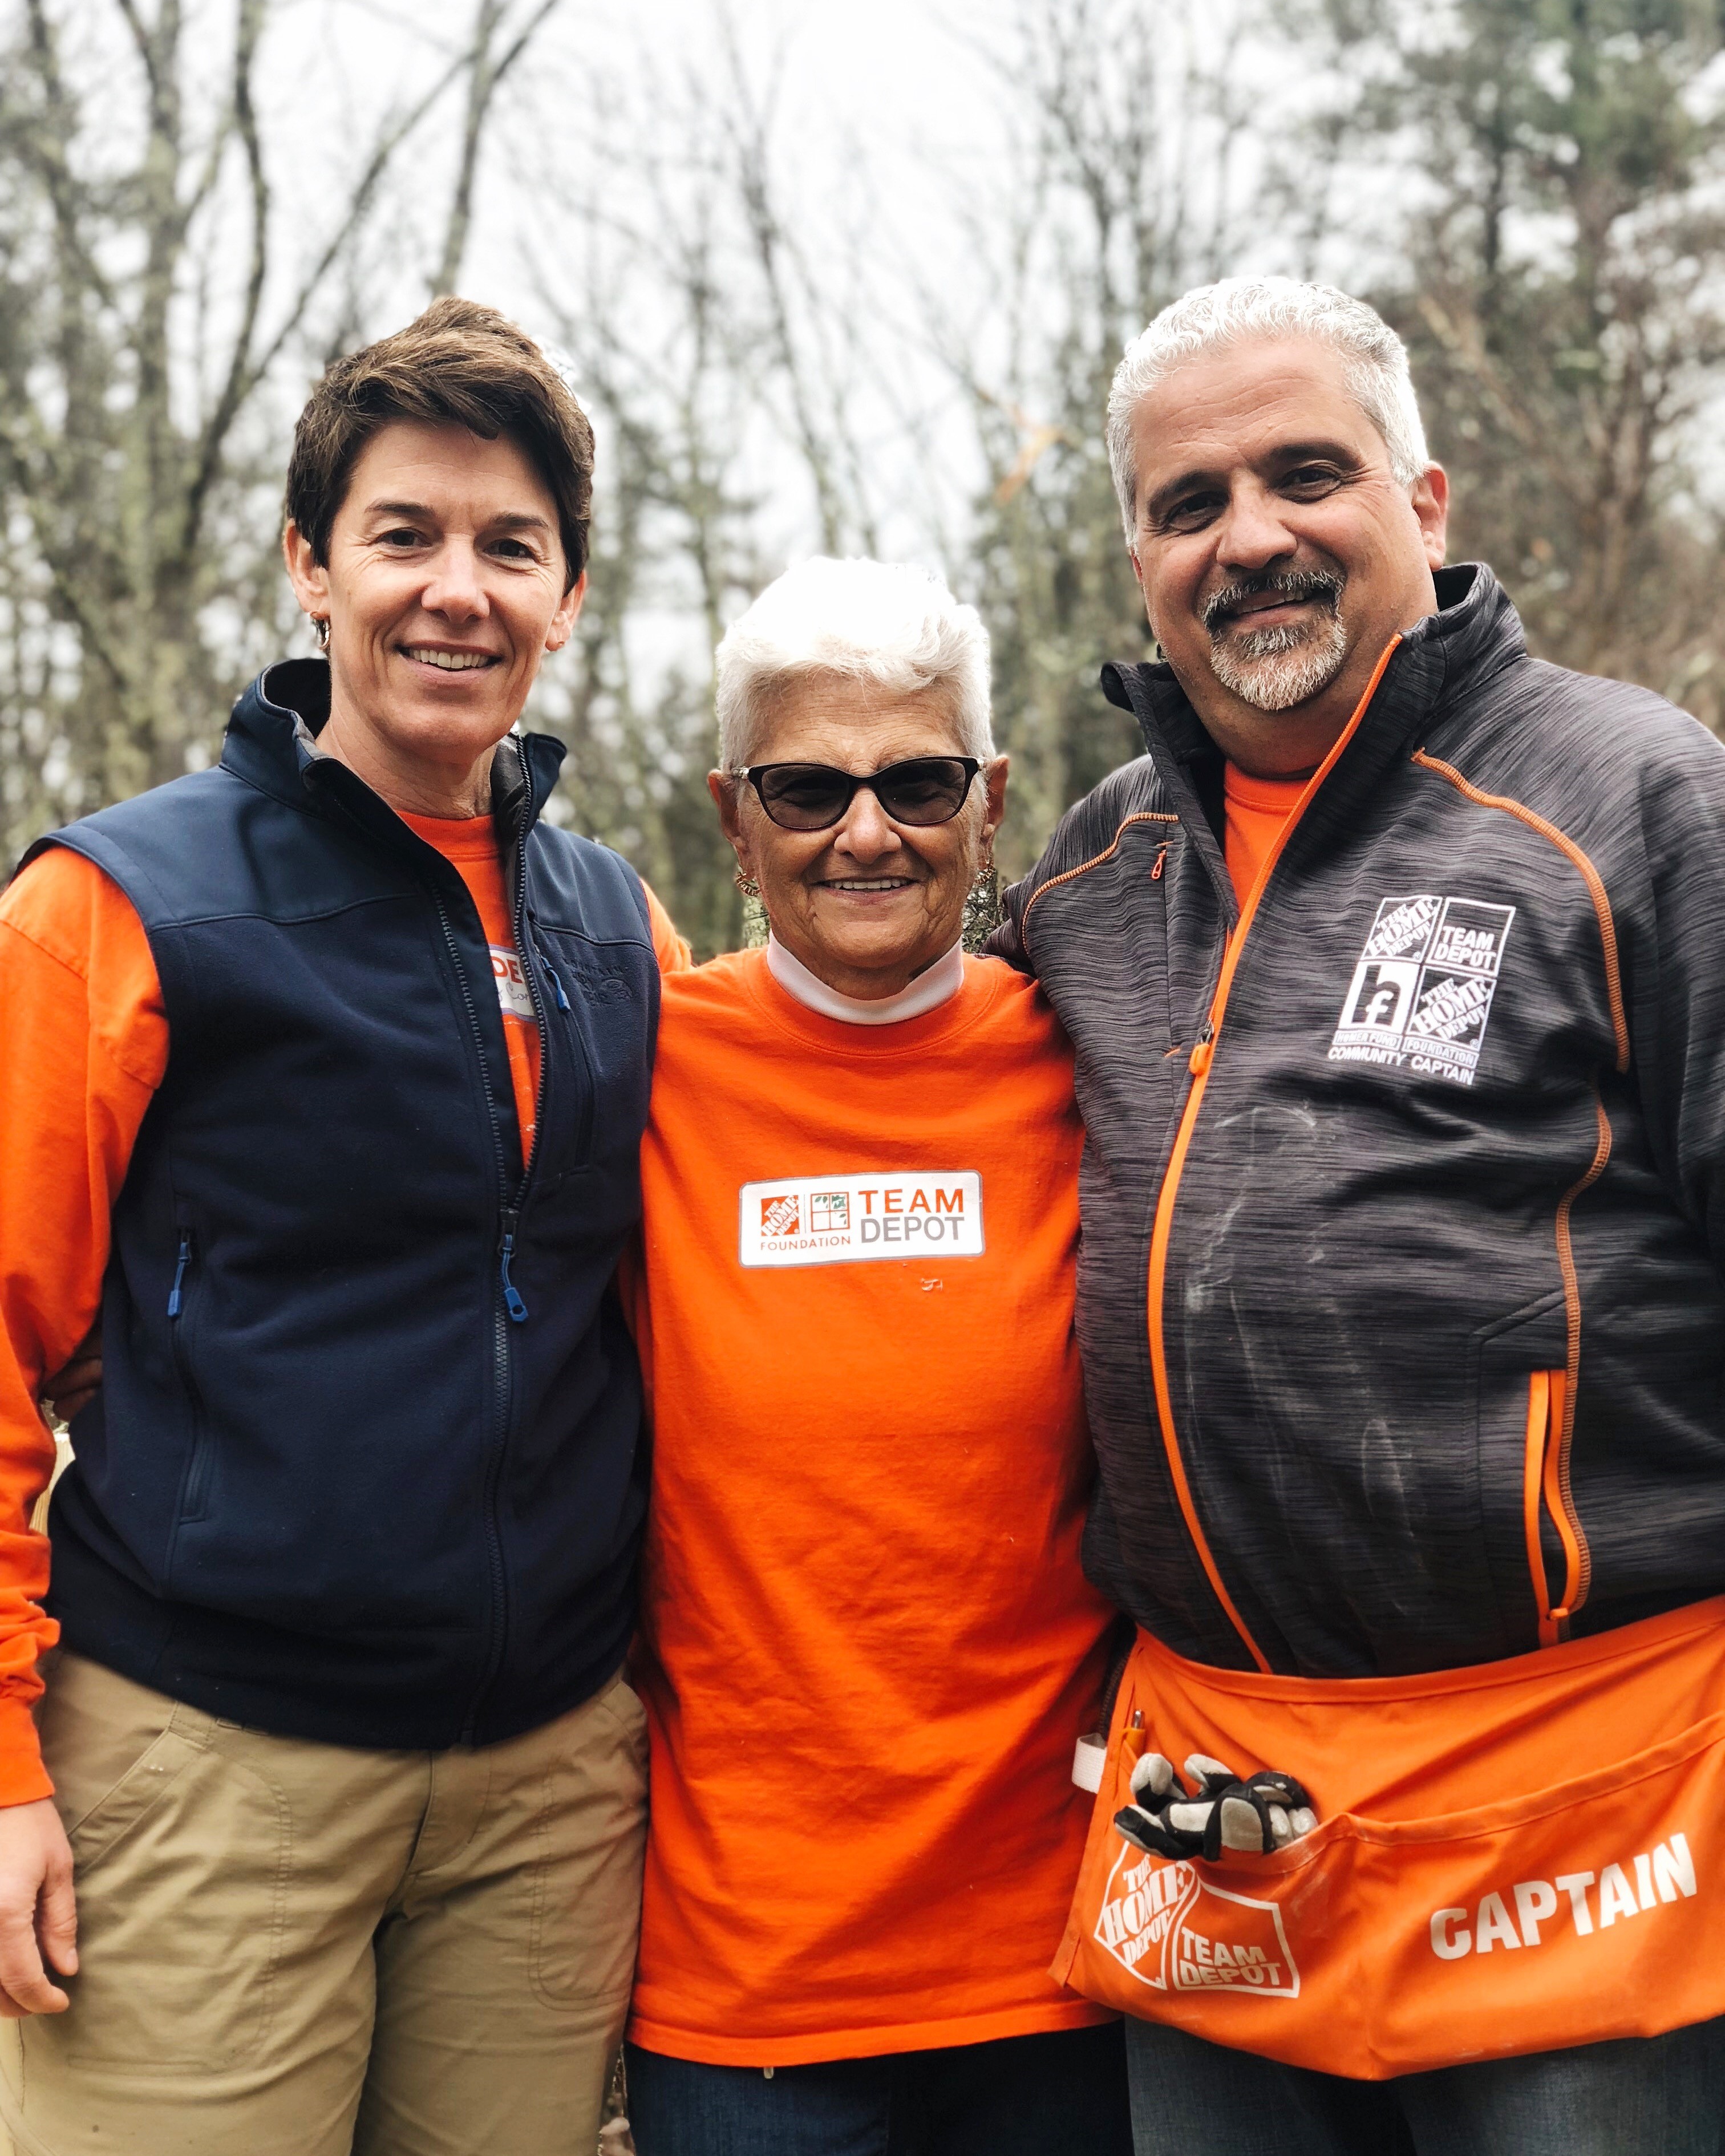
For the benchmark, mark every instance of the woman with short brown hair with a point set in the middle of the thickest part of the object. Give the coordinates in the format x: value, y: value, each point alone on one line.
x: 323, y: 1078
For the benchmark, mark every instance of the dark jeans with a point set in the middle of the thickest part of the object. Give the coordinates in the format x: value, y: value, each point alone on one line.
x: 1059, y: 2095
x: 1661, y: 2096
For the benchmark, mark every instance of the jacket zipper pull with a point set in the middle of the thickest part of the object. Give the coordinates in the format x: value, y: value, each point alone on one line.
x: 1199, y: 1059
x: 563, y: 1000
x: 512, y: 1293
x: 1161, y: 863
x: 184, y: 1259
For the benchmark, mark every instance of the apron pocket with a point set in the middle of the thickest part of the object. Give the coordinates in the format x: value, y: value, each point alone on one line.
x: 1582, y: 1911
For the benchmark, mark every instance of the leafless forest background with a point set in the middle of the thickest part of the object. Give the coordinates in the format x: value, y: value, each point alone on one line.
x: 893, y: 346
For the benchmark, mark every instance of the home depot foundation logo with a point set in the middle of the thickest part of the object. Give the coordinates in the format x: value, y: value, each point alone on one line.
x: 1175, y: 1930
x: 839, y: 1219
x: 1421, y: 994
x: 780, y: 1214
x: 829, y: 1213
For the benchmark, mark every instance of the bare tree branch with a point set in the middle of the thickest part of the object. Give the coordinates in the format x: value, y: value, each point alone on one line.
x: 248, y: 29
x: 485, y: 74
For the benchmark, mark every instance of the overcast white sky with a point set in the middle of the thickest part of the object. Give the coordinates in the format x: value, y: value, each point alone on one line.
x: 904, y: 78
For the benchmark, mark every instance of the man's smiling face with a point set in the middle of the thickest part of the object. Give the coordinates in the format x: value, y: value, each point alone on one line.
x: 1276, y: 551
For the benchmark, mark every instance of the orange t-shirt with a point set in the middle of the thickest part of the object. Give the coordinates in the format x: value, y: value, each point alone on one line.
x: 84, y: 1047
x: 1256, y: 809
x: 469, y: 845
x: 867, y: 1646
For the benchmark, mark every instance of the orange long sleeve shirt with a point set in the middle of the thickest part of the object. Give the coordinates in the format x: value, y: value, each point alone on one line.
x: 85, y: 1047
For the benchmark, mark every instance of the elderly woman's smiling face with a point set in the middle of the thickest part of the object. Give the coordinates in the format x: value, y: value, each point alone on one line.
x: 868, y: 904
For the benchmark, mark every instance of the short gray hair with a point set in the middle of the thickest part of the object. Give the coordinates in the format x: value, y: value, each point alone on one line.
x: 884, y: 622
x: 1213, y: 315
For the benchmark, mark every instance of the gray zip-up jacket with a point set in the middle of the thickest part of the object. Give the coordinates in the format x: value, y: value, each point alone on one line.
x: 1402, y: 1215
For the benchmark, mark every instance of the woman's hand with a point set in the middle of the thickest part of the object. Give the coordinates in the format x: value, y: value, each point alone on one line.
x: 68, y: 1389
x: 39, y: 1915
x: 1257, y: 1813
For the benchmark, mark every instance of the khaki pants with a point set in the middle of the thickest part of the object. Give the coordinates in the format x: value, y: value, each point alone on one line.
x: 294, y: 1950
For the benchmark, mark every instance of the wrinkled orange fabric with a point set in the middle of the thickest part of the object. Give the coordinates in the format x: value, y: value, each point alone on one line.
x: 1517, y: 1857
x: 868, y: 1646
x: 84, y: 1046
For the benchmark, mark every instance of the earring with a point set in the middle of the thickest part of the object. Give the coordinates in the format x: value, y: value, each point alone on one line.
x: 321, y: 630
x: 746, y: 884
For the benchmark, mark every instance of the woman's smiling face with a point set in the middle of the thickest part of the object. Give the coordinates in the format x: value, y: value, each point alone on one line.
x: 444, y: 589
x: 869, y: 904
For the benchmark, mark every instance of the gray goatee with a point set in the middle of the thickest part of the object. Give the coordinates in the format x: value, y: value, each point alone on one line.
x: 1275, y: 668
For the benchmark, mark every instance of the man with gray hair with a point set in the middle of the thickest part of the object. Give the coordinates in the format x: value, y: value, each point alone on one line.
x: 1395, y: 970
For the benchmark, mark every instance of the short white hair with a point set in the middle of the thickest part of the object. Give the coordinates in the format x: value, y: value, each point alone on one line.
x: 883, y: 621
x: 1211, y: 316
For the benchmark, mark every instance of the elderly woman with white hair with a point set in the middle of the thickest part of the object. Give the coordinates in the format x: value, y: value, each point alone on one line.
x: 862, y: 1599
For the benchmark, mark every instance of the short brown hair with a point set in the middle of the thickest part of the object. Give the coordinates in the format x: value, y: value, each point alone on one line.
x: 461, y: 362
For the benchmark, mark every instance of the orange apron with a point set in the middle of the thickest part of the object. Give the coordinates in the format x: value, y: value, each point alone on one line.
x: 1516, y: 1857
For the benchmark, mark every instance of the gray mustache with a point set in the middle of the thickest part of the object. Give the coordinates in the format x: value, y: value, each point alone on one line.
x: 1286, y: 583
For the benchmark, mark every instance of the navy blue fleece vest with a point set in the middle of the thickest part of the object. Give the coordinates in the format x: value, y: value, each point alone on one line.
x: 366, y: 1463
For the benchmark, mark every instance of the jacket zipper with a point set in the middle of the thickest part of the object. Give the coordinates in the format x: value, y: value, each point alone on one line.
x: 1559, y: 1497
x: 1551, y: 1422
x: 1199, y: 1063
x: 198, y: 1468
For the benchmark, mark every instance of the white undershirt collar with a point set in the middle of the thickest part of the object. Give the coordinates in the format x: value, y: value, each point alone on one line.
x: 926, y: 993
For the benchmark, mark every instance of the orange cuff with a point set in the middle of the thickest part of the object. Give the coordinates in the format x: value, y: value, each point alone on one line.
x: 23, y: 1777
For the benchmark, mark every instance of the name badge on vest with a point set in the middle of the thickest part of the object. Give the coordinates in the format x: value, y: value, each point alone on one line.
x: 514, y: 996
x: 848, y: 1219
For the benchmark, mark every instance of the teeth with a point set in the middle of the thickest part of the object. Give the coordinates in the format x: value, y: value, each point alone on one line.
x: 452, y: 662
x: 880, y: 883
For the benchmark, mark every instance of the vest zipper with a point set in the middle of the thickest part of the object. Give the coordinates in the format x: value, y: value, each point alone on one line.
x: 512, y: 1293
x: 180, y: 1265
x: 1199, y: 1063
x: 501, y: 1370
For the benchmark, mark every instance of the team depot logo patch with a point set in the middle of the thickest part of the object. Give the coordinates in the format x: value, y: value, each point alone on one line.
x: 846, y: 1219
x: 1421, y: 994
x: 1177, y: 1930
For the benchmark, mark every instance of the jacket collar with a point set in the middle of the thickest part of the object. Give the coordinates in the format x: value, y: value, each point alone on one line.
x: 1475, y: 633
x: 271, y: 742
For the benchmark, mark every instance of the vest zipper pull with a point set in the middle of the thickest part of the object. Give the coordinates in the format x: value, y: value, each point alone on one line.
x: 184, y: 1259
x: 563, y: 1000
x: 512, y: 1293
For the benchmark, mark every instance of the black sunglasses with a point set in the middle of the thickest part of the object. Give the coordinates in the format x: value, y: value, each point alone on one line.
x: 813, y: 796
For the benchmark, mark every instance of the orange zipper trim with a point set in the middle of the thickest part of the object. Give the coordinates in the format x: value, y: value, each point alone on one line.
x: 1533, y: 1462
x: 1550, y: 1419
x: 1584, y: 868
x: 1199, y: 1063
x: 1095, y: 860
x: 1559, y: 1497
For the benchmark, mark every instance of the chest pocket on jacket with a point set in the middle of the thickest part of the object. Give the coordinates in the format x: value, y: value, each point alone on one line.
x: 601, y: 1002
